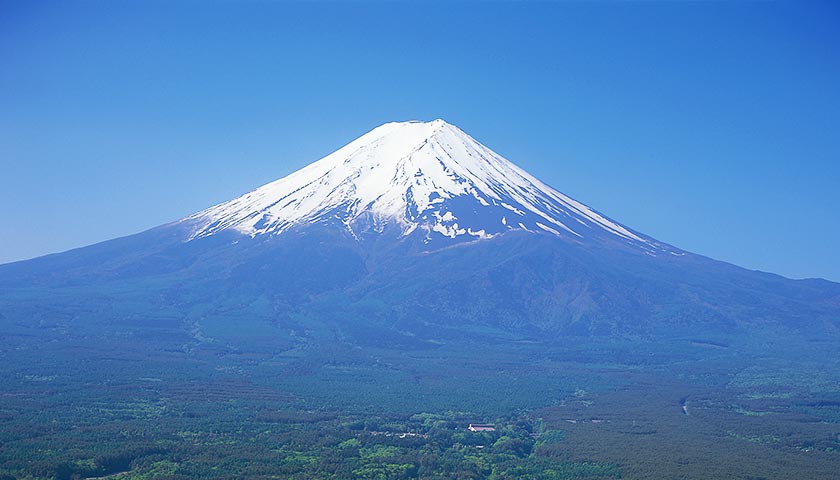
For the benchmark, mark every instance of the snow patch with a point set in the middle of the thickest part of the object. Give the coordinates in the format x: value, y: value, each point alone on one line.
x: 548, y: 229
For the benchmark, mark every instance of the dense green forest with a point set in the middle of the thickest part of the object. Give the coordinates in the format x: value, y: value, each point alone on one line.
x: 79, y: 406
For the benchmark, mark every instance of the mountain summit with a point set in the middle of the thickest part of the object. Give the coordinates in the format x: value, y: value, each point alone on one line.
x: 426, y: 178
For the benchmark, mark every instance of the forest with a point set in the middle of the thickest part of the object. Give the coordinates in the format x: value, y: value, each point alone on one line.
x: 74, y: 405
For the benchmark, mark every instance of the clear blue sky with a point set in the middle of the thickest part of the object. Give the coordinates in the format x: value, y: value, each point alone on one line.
x: 711, y: 126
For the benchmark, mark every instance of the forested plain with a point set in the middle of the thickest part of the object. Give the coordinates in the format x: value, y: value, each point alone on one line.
x: 162, y: 402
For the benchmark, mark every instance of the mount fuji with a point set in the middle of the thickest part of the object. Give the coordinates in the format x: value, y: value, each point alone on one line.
x: 412, y: 234
x: 430, y: 178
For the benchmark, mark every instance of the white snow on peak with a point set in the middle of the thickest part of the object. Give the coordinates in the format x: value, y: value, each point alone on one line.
x: 427, y: 177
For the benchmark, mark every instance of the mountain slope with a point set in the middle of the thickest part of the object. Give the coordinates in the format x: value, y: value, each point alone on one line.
x: 413, y: 232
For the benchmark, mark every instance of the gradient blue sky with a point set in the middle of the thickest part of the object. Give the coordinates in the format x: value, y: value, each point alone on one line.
x: 711, y: 126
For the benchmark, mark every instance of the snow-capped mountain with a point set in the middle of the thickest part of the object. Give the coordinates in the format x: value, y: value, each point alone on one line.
x: 354, y: 248
x: 427, y: 178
